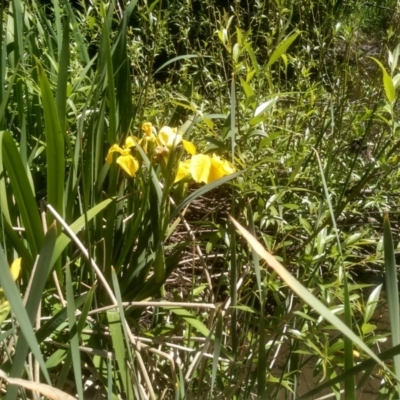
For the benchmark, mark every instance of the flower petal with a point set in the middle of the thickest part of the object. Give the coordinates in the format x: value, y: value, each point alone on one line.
x: 147, y: 127
x: 168, y: 136
x: 189, y: 147
x: 219, y: 168
x: 15, y: 268
x: 129, y: 142
x: 129, y: 164
x: 113, y: 149
x: 200, y: 167
x: 183, y: 170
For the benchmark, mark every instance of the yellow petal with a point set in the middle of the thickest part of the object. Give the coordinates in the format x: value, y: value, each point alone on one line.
x: 200, y: 167
x: 147, y: 127
x: 189, y: 147
x: 113, y: 149
x: 15, y: 268
x: 168, y: 136
x: 129, y: 142
x: 183, y: 170
x: 219, y: 168
x: 129, y: 164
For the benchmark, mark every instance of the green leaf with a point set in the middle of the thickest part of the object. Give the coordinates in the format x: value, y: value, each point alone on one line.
x: 22, y: 191
x: 117, y: 338
x: 120, y: 338
x: 13, y: 296
x: 367, y: 328
x: 261, y: 109
x: 363, y: 366
x: 74, y: 334
x: 184, y: 57
x: 5, y: 307
x: 55, y: 159
x: 63, y: 240
x: 372, y: 303
x: 388, y: 84
x: 189, y: 318
x: 38, y: 282
x: 62, y: 78
x: 282, y: 48
x: 217, y: 350
x: 51, y: 325
x: 392, y: 290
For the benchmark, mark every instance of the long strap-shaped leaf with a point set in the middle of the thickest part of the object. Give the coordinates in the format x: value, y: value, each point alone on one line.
x: 22, y: 191
x: 25, y: 315
x: 26, y: 321
x: 54, y: 147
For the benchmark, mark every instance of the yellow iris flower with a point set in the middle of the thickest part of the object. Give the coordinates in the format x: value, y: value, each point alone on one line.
x: 204, y: 168
x: 126, y: 161
x: 207, y: 169
x: 169, y: 137
x: 183, y: 170
x: 201, y: 167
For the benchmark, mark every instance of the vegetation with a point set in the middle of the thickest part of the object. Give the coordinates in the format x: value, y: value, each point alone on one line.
x: 195, y: 199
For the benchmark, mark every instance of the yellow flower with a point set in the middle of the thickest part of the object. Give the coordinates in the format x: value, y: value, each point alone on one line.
x: 147, y: 128
x: 183, y: 170
x: 169, y: 136
x: 15, y: 268
x: 129, y: 164
x: 189, y: 147
x: 207, y: 169
x: 126, y: 161
x: 148, y: 137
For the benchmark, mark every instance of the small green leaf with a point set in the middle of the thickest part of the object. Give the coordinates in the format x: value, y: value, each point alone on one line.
x: 372, y: 303
x: 236, y: 52
x: 282, y: 48
x: 261, y: 109
x: 388, y: 84
x: 190, y: 319
x: 368, y: 328
x: 243, y: 308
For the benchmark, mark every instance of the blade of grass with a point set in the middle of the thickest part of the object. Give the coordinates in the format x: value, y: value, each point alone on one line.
x: 74, y: 335
x: 28, y: 339
x: 54, y: 147
x: 62, y: 79
x: 63, y: 240
x: 114, y: 323
x: 392, y: 291
x: 233, y: 272
x: 52, y: 324
x: 184, y: 57
x: 114, y: 319
x: 262, y: 360
x: 349, y: 386
x: 38, y: 282
x: 217, y: 350
x: 22, y: 191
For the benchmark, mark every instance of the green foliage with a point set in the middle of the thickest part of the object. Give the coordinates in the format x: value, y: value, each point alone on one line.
x: 142, y: 288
